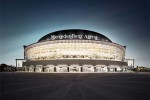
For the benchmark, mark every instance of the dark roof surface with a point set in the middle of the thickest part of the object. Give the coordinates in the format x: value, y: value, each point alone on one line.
x: 74, y: 34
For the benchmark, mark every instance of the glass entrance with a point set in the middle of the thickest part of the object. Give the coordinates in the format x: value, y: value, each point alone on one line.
x: 74, y: 69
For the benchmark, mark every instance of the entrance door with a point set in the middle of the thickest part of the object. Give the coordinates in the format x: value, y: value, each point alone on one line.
x: 74, y: 69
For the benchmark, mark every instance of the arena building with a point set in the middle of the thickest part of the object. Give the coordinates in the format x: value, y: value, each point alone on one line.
x: 74, y: 50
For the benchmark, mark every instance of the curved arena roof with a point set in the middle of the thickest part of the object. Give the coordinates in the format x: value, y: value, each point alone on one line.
x: 74, y: 34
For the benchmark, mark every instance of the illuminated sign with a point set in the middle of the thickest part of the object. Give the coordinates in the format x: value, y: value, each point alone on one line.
x: 73, y: 36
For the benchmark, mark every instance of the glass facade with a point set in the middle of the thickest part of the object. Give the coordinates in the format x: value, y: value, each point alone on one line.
x: 74, y: 49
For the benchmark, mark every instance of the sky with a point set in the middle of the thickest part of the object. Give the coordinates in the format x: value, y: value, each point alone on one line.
x: 126, y: 22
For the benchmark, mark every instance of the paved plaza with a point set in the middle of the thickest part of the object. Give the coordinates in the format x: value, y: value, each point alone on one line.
x: 74, y: 86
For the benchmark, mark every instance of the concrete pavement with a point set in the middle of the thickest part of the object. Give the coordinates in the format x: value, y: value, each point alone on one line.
x: 74, y: 86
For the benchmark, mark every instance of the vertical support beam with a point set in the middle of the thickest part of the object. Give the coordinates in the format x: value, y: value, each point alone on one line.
x: 133, y: 63
x: 16, y: 63
x: 24, y: 46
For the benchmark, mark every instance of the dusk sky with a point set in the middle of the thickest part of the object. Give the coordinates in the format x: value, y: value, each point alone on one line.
x: 125, y: 22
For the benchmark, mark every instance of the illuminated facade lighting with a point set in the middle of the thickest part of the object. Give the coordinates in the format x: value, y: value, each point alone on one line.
x: 75, y: 51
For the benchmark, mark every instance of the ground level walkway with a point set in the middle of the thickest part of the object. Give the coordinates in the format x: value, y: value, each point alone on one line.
x: 90, y: 86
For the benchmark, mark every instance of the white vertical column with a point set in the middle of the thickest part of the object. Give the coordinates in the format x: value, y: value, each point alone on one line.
x: 31, y: 68
x: 38, y: 68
